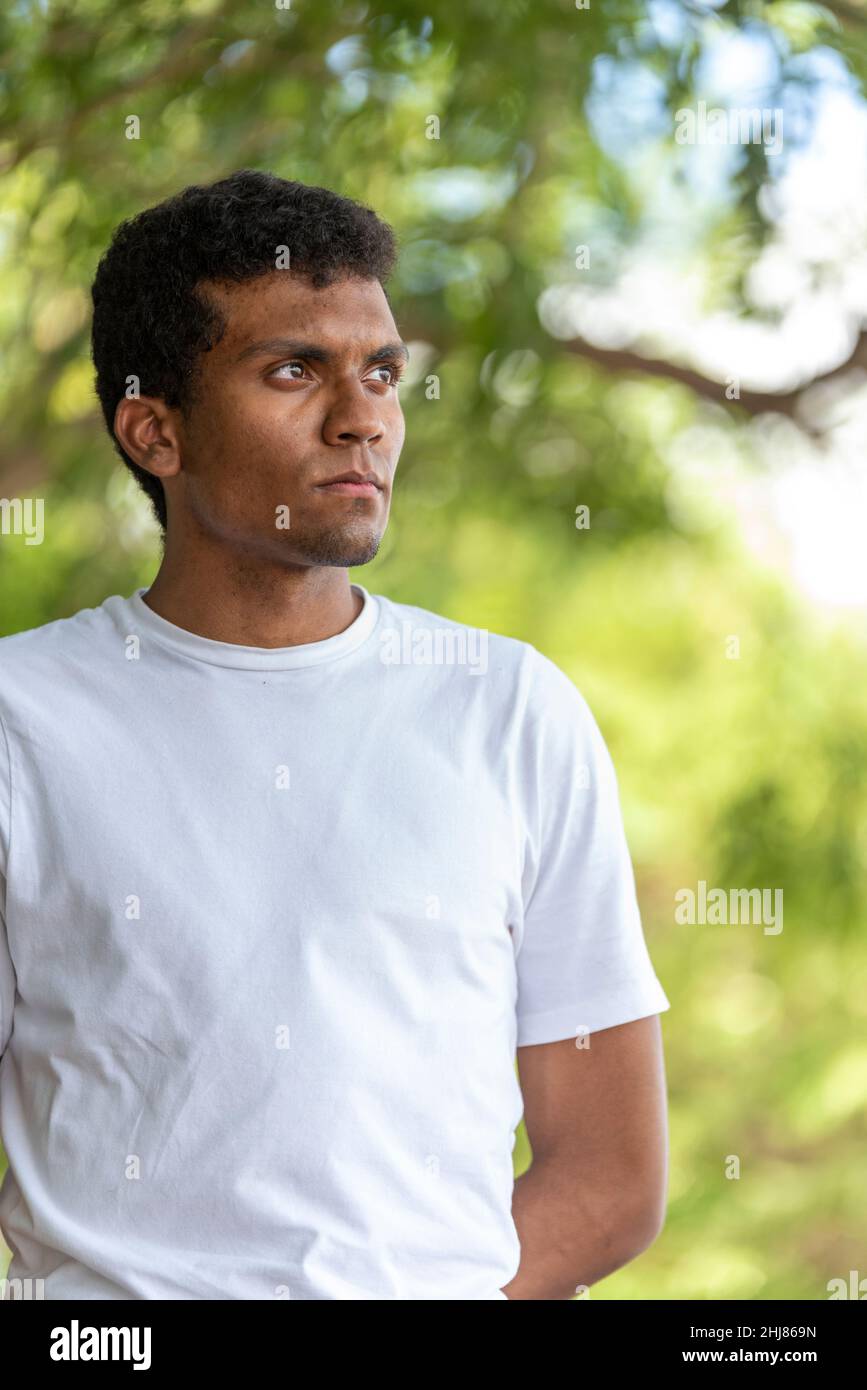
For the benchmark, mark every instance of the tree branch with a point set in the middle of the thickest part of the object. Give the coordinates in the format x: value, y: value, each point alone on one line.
x: 753, y: 402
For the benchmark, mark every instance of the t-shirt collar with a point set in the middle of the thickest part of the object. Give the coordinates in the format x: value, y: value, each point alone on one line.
x: 150, y: 624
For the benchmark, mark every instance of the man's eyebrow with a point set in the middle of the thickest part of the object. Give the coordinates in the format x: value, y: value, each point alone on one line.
x: 293, y: 347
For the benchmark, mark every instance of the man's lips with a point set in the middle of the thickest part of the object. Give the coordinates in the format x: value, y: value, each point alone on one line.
x: 354, y: 483
x: 351, y: 489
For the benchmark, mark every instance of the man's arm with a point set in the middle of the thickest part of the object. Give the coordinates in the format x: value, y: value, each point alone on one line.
x: 594, y: 1196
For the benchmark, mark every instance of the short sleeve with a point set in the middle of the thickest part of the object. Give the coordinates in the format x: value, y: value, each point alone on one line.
x: 582, y: 960
x: 7, y: 971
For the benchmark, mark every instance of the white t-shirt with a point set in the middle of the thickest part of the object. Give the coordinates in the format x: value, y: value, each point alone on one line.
x: 274, y: 922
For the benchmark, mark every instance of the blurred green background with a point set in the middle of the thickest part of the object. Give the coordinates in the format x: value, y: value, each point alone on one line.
x: 667, y: 333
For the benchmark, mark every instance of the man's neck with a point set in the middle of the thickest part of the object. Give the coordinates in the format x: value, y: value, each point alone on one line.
x: 256, y: 606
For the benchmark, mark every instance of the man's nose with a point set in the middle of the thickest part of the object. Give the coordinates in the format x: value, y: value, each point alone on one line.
x: 354, y: 419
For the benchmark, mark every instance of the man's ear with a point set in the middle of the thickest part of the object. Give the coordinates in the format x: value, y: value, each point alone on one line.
x: 149, y: 431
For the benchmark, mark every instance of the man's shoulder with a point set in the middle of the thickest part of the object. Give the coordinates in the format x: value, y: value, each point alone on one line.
x: 409, y: 627
x: 529, y: 689
x: 544, y: 682
x: 48, y: 650
x: 531, y: 698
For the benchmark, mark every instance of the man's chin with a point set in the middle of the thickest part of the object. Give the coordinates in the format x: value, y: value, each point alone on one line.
x: 338, y: 549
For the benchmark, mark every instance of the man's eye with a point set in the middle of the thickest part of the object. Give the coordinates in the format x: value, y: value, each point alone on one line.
x: 395, y: 373
x: 284, y: 366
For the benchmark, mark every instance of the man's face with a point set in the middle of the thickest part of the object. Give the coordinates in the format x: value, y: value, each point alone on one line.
x: 301, y: 388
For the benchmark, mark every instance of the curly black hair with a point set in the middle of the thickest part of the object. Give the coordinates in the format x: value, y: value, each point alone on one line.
x: 148, y: 319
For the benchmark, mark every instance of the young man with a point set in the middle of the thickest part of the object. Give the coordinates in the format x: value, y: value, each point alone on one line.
x: 288, y: 870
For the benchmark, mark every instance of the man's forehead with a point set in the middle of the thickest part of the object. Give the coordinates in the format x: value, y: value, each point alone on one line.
x: 348, y: 310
